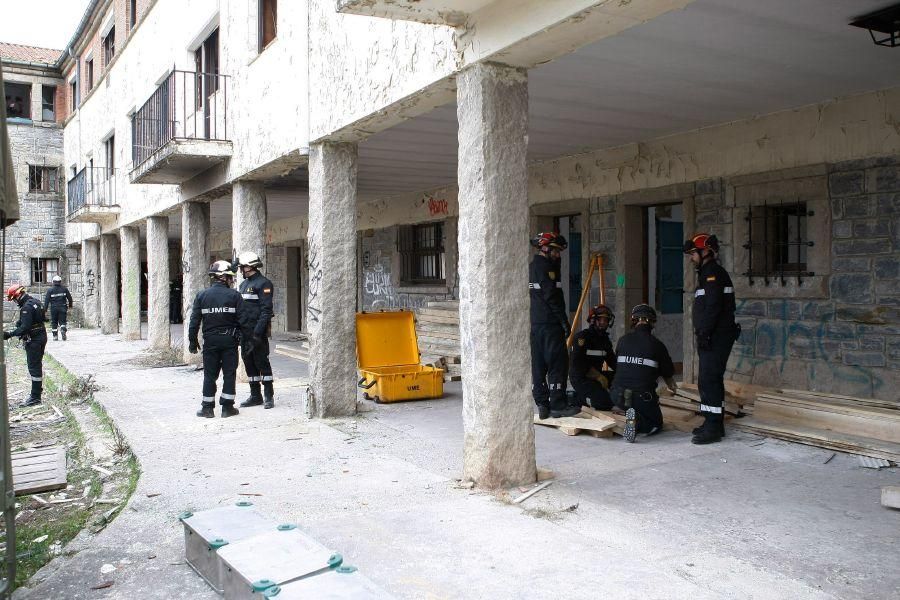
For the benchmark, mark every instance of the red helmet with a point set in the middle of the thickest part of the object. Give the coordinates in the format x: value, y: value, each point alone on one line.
x: 549, y: 240
x: 599, y: 311
x: 701, y: 241
x: 14, y: 291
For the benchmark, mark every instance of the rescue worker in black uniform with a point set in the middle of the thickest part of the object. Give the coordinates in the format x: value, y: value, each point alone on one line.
x: 641, y: 359
x: 591, y: 350
x: 30, y: 329
x: 715, y: 331
x: 59, y: 301
x: 549, y: 329
x: 257, y: 292
x: 220, y: 310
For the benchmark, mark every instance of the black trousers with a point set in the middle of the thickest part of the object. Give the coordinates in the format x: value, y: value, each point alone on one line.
x: 58, y: 318
x: 34, y: 356
x: 591, y: 393
x: 549, y: 365
x: 220, y: 353
x: 645, y: 405
x: 256, y: 362
x: 711, y: 379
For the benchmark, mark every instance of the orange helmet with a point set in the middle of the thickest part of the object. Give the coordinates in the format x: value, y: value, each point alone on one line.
x: 600, y: 311
x: 14, y: 291
x: 701, y: 241
x: 549, y: 240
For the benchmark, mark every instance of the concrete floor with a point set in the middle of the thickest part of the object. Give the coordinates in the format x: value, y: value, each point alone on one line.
x: 657, y: 519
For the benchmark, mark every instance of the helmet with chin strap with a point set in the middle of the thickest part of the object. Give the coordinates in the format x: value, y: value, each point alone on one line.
x: 549, y: 240
x: 15, y: 291
x: 643, y: 314
x: 700, y: 242
x: 600, y: 311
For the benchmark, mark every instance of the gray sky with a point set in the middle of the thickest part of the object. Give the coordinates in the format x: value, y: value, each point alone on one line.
x: 45, y: 23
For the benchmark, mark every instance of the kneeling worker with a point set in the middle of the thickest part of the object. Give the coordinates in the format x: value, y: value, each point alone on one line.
x: 220, y: 309
x: 591, y: 350
x: 641, y: 360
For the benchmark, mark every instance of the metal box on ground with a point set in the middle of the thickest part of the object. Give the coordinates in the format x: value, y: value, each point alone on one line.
x: 339, y: 584
x: 387, y: 353
x: 282, y: 554
x: 207, y: 531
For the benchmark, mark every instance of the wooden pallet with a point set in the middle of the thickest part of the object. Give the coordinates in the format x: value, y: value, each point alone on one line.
x: 35, y: 471
x: 596, y: 426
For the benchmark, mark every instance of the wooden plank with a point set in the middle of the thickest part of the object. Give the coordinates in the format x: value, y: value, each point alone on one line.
x: 890, y: 496
x: 852, y: 423
x: 33, y: 473
x: 823, y: 439
x: 853, y: 400
x: 593, y: 423
x: 832, y: 405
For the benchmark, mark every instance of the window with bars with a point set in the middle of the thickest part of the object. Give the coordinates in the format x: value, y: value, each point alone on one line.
x: 43, y: 179
x: 43, y: 270
x: 778, y: 241
x: 421, y: 253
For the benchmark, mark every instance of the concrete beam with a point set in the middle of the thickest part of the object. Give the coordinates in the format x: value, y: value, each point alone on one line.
x: 109, y: 283
x: 331, y: 310
x: 90, y: 282
x: 158, y: 332
x: 131, y: 282
x: 492, y: 108
x: 194, y: 256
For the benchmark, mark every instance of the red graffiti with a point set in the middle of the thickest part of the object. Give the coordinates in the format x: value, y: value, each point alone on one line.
x: 437, y: 207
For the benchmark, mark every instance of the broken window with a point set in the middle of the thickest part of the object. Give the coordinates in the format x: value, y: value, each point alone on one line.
x: 778, y: 241
x: 48, y: 103
x: 73, y: 94
x: 89, y: 73
x: 43, y: 270
x: 109, y: 46
x: 422, y: 253
x: 268, y: 22
x: 18, y: 100
x: 43, y: 179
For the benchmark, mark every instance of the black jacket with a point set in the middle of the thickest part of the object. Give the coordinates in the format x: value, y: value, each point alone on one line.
x: 641, y: 360
x: 257, y: 293
x: 58, y: 296
x: 220, y: 308
x: 591, y: 349
x: 31, y: 317
x: 548, y: 304
x: 713, y: 310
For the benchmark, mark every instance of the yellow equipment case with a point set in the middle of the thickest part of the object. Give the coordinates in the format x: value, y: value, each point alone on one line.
x: 387, y: 354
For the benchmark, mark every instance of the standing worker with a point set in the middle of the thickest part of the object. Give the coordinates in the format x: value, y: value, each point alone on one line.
x: 59, y: 301
x: 257, y: 292
x: 30, y: 329
x: 549, y: 329
x: 220, y: 309
x: 591, y: 351
x: 715, y: 330
x: 642, y: 359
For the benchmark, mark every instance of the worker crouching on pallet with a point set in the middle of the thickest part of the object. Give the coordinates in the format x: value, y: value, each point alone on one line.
x: 220, y: 309
x: 641, y: 359
x: 592, y: 350
x: 549, y: 329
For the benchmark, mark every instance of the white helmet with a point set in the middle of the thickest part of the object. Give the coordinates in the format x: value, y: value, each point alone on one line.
x: 57, y: 279
x: 221, y: 269
x: 249, y: 259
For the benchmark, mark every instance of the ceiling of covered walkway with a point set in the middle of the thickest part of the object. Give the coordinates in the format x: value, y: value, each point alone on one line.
x: 714, y: 62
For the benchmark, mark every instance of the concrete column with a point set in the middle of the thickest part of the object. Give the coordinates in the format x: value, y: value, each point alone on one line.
x: 248, y: 219
x: 194, y: 259
x: 492, y: 108
x: 158, y: 284
x: 109, y: 283
x: 331, y: 305
x: 90, y: 282
x: 131, y: 282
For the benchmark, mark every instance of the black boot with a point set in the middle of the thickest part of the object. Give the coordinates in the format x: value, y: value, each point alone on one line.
x: 630, y: 430
x: 30, y: 401
x: 268, y: 394
x: 543, y: 411
x: 63, y: 332
x: 269, y: 401
x: 252, y: 401
x: 206, y: 410
x: 228, y: 410
x: 710, y: 432
x: 54, y: 337
x: 697, y: 430
x: 569, y: 411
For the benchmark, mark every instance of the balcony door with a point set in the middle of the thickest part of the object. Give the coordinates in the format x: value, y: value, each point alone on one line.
x: 206, y: 65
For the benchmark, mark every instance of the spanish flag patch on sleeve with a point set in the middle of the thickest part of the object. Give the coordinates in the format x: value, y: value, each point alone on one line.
x: 711, y: 278
x: 267, y: 290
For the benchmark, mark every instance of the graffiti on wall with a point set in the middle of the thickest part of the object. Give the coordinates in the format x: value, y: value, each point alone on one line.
x: 315, y: 284
x: 437, y: 206
x: 89, y: 283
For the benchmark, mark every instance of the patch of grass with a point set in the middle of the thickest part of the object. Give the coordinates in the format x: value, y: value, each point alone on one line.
x: 32, y: 555
x: 160, y: 358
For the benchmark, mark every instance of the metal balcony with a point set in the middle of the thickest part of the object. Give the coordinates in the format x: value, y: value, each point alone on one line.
x: 182, y: 130
x: 91, y: 196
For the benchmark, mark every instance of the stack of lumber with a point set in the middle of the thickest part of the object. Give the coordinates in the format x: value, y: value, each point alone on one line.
x: 843, y: 423
x: 688, y: 397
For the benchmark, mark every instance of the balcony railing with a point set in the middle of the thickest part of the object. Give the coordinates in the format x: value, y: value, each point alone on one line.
x: 186, y: 106
x: 92, y: 186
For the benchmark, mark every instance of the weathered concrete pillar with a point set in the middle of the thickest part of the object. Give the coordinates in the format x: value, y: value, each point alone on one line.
x: 248, y: 219
x: 90, y: 282
x: 492, y: 108
x: 109, y: 283
x: 194, y: 259
x: 131, y: 282
x: 158, y: 284
x: 331, y: 305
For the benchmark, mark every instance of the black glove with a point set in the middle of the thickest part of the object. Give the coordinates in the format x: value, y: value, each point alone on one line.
x: 704, y: 341
x: 194, y: 347
x: 6, y: 335
x: 256, y: 340
x: 567, y: 330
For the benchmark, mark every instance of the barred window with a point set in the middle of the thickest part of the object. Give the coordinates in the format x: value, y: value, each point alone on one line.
x: 422, y: 253
x: 43, y: 179
x: 43, y: 270
x: 778, y: 241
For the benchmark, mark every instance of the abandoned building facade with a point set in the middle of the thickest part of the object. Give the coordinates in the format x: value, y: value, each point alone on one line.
x: 398, y: 155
